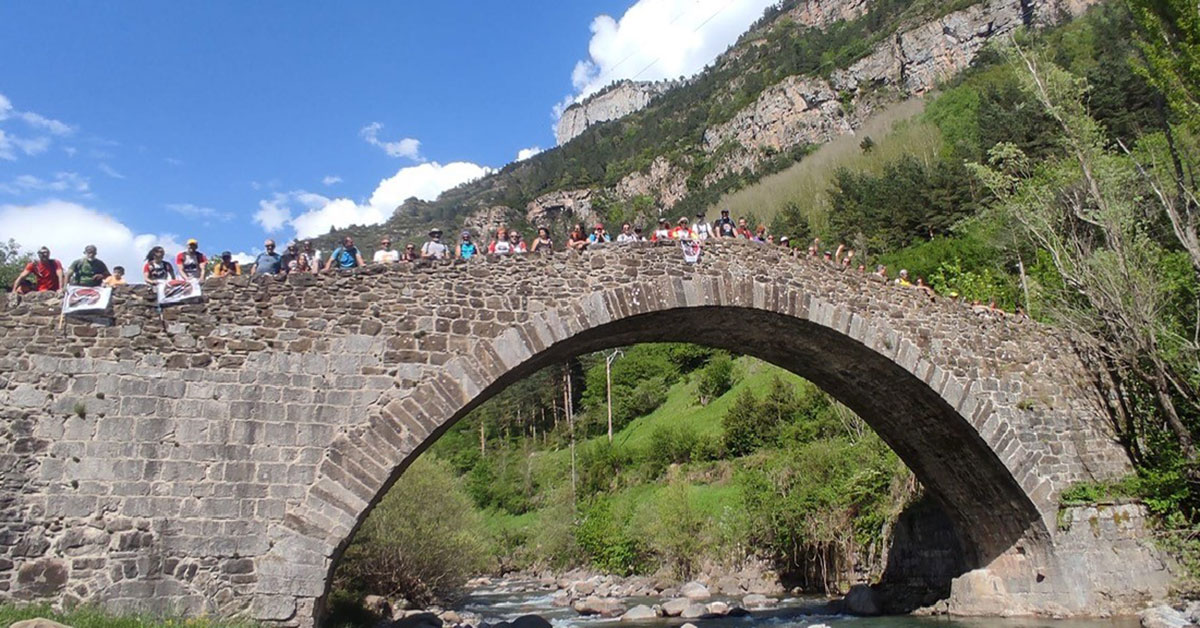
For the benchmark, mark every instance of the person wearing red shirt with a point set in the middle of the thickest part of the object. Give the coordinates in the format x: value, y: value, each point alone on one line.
x: 49, y: 273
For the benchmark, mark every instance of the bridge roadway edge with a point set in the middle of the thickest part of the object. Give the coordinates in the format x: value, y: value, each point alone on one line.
x: 218, y: 459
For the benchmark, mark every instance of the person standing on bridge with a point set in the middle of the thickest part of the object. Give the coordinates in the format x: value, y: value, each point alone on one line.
x: 542, y: 243
x: 156, y: 269
x: 87, y: 270
x: 345, y: 256
x: 725, y: 226
x: 433, y: 249
x: 49, y: 273
x: 703, y: 230
x: 577, y: 241
x: 268, y: 262
x: 386, y: 254
x: 467, y: 248
x: 191, y: 262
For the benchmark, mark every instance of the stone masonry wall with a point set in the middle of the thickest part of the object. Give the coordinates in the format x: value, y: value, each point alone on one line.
x: 217, y: 457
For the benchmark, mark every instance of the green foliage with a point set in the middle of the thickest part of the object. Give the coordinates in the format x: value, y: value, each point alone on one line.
x: 676, y: 533
x: 604, y: 536
x: 406, y: 546
x: 91, y: 617
x: 716, y: 378
x: 12, y: 262
x: 1168, y: 34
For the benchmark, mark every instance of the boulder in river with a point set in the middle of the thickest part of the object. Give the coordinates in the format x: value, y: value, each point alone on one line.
x: 525, y: 621
x: 861, y: 600
x: 1163, y: 617
x: 695, y: 591
x: 717, y: 608
x: 584, y: 587
x: 729, y: 585
x: 675, y: 607
x: 688, y: 625
x: 694, y: 611
x: 417, y: 620
x: 602, y: 606
x: 639, y: 613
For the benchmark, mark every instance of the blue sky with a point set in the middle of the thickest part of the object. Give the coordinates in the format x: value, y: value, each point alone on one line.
x: 136, y: 123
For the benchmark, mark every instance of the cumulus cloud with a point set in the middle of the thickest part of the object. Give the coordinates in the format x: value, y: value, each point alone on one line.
x: 206, y: 214
x: 309, y: 214
x: 76, y: 226
x: 660, y: 39
x: 526, y: 153
x: 331, y: 180
x: 406, y: 147
x: 62, y: 182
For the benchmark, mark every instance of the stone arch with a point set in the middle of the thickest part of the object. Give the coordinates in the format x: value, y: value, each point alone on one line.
x: 953, y: 416
x: 215, y: 457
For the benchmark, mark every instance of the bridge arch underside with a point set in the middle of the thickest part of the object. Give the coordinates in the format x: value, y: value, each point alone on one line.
x: 990, y: 511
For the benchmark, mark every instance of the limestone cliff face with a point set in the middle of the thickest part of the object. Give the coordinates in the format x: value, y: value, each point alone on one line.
x: 796, y: 110
x: 664, y: 181
x: 619, y: 100
x: 916, y: 59
x: 822, y: 13
x: 810, y: 110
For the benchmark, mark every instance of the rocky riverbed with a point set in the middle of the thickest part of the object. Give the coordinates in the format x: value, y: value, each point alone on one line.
x: 582, y: 599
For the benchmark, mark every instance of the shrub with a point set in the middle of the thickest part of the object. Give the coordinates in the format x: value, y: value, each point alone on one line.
x: 604, y: 538
x: 716, y: 379
x: 670, y: 445
x: 423, y: 541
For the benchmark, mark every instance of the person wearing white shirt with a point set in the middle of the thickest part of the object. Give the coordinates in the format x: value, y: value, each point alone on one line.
x: 627, y: 234
x: 386, y: 254
x: 703, y: 229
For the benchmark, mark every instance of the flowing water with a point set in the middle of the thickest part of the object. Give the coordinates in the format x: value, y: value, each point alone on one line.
x: 500, y: 602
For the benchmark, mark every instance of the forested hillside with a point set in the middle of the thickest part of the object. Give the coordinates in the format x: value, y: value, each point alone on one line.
x: 798, y: 78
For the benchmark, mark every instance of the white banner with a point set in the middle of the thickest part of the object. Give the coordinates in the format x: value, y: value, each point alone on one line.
x: 85, y: 299
x: 177, y: 290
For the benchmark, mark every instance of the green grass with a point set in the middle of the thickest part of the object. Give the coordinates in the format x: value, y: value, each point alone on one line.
x: 896, y: 131
x: 679, y: 409
x: 90, y: 617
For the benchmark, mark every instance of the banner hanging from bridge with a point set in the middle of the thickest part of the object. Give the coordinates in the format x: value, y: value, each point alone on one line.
x: 86, y: 299
x: 177, y: 291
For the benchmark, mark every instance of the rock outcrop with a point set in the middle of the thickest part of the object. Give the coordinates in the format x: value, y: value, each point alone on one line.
x: 577, y: 204
x: 664, y: 181
x: 796, y: 110
x: 619, y: 99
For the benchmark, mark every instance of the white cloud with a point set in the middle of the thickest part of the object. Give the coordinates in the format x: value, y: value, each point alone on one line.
x: 660, y: 39
x: 62, y: 182
x: 526, y: 153
x: 425, y: 182
x: 110, y: 171
x: 38, y: 121
x: 5, y: 107
x: 173, y: 161
x: 331, y: 180
x: 310, y: 214
x: 10, y: 144
x: 272, y: 215
x: 206, y: 214
x: 406, y: 147
x: 76, y: 226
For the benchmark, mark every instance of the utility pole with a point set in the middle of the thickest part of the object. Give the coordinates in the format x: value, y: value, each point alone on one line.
x: 608, y: 360
x: 568, y: 406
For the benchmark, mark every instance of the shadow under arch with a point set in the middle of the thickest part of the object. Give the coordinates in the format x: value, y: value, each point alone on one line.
x: 961, y: 471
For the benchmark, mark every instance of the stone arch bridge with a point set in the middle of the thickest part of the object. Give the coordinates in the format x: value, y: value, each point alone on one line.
x: 218, y: 456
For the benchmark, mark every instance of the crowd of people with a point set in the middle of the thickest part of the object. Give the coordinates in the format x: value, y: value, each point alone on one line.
x: 46, y: 273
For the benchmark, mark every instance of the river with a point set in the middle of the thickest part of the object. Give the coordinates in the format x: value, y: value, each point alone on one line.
x: 504, y: 601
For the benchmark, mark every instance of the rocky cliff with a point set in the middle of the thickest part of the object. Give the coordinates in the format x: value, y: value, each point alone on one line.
x: 620, y: 99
